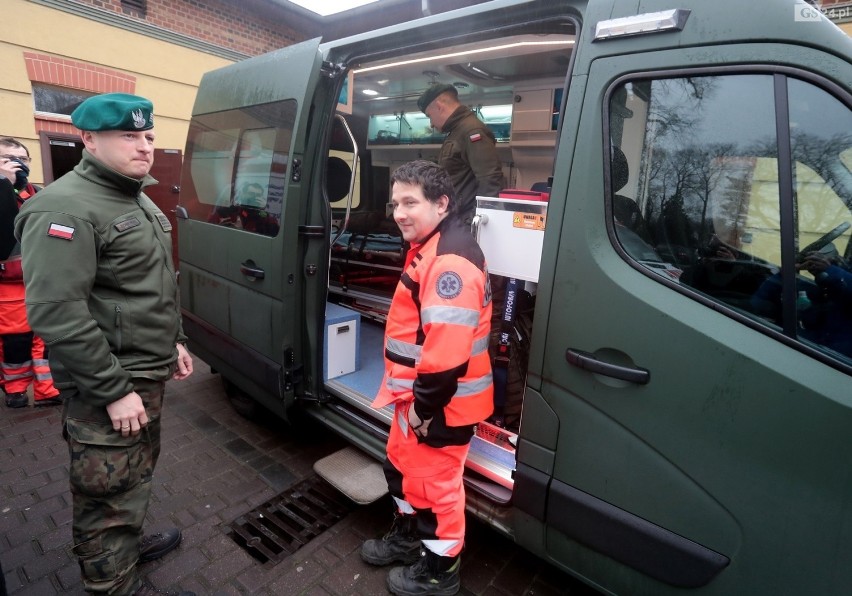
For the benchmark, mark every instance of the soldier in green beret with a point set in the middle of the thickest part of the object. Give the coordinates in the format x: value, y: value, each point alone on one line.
x: 103, y: 294
x: 469, y: 152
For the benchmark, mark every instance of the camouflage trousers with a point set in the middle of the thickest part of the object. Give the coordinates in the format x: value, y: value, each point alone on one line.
x: 110, y: 487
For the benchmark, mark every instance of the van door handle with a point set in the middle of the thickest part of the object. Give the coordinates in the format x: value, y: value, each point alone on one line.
x: 587, y: 361
x: 250, y: 269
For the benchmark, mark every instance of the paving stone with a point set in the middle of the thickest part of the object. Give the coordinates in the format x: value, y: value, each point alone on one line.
x: 215, y: 466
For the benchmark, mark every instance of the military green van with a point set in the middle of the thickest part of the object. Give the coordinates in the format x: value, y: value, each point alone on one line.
x: 678, y: 406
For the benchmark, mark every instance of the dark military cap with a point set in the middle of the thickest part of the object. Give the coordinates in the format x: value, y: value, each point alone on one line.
x: 114, y: 111
x: 432, y: 92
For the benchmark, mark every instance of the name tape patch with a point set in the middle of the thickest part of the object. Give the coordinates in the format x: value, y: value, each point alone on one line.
x: 128, y: 223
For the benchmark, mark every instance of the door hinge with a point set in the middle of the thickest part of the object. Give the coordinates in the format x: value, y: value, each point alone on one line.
x: 291, y: 374
x: 296, y: 170
x: 331, y: 70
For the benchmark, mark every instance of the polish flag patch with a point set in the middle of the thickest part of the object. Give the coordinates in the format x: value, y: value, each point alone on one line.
x: 59, y: 231
x: 475, y: 137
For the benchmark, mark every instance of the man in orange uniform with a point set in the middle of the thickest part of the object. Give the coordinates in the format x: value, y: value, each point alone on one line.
x: 438, y: 376
x: 22, y: 355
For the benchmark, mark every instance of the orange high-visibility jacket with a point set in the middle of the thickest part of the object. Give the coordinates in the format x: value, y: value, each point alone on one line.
x: 438, y: 327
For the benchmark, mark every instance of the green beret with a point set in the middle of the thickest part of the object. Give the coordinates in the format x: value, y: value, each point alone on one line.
x: 114, y: 111
x: 432, y: 92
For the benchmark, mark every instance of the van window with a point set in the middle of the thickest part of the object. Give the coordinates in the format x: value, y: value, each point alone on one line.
x: 697, y: 197
x: 238, y: 167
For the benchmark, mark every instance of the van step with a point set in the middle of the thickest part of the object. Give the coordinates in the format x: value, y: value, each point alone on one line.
x: 355, y: 474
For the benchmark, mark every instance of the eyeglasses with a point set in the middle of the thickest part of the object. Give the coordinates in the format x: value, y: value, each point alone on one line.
x: 22, y: 159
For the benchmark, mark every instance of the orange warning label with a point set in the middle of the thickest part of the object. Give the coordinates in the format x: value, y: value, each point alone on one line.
x: 528, y: 221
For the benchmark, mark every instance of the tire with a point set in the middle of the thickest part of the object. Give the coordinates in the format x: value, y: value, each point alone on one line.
x: 242, y: 403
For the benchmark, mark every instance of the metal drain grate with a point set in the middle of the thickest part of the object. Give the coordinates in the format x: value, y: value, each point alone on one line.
x: 284, y: 524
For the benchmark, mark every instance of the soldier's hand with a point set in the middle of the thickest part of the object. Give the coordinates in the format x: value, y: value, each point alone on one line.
x: 418, y: 425
x: 128, y: 414
x: 184, y: 363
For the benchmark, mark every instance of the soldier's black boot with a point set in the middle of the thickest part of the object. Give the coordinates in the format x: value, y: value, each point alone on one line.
x: 401, y: 543
x: 432, y: 575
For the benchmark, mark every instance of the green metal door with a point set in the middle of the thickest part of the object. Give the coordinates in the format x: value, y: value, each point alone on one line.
x: 688, y: 438
x: 241, y: 195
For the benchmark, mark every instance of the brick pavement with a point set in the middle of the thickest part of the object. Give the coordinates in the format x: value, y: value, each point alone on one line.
x: 214, y: 467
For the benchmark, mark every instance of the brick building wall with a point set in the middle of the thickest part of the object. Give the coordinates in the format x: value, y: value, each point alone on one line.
x: 247, y: 27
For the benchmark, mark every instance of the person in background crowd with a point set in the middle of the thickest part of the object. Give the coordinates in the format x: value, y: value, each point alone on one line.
x: 438, y: 376
x: 102, y: 292
x: 23, y: 358
x: 469, y: 152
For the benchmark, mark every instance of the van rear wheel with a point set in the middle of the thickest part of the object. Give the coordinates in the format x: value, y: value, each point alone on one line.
x: 242, y: 403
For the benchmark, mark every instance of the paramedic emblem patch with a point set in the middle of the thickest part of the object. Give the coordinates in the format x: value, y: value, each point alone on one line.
x: 449, y: 285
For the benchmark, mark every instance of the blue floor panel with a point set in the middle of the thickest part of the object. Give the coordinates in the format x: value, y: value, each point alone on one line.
x: 367, y: 379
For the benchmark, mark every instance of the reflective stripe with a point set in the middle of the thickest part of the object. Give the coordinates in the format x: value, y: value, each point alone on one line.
x: 450, y: 314
x: 40, y: 362
x: 395, y: 385
x: 404, y: 349
x: 27, y: 364
x: 474, y: 387
x: 465, y: 389
x: 413, y: 351
x: 402, y: 419
x: 24, y: 375
x: 404, y: 506
x: 440, y: 547
x: 479, y: 346
x: 43, y: 376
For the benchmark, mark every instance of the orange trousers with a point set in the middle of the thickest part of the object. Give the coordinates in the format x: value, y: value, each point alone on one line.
x: 23, y: 356
x: 22, y: 361
x: 427, y: 482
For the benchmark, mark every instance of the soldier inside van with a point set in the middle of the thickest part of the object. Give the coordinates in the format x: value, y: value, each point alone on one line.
x: 224, y: 213
x: 624, y: 209
x: 469, y: 152
x: 253, y: 214
x: 823, y: 307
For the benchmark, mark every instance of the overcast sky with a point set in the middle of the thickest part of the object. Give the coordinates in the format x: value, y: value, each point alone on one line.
x: 327, y: 7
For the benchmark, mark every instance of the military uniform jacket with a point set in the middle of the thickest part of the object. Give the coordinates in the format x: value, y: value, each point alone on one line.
x: 437, y: 332
x: 469, y: 154
x: 100, y: 285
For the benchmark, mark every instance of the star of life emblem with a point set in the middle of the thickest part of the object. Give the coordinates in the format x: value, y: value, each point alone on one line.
x: 449, y: 285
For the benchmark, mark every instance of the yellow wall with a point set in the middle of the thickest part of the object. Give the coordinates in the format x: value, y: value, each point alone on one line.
x: 165, y: 73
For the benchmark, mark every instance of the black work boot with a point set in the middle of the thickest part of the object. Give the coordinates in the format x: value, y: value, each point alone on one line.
x: 432, y: 575
x: 17, y: 400
x: 400, y: 544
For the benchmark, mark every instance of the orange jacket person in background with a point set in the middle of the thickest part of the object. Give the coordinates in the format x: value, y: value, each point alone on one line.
x: 438, y: 377
x: 23, y: 359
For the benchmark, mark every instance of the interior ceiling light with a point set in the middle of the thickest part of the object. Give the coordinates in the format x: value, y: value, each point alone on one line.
x: 369, y: 92
x: 519, y: 44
